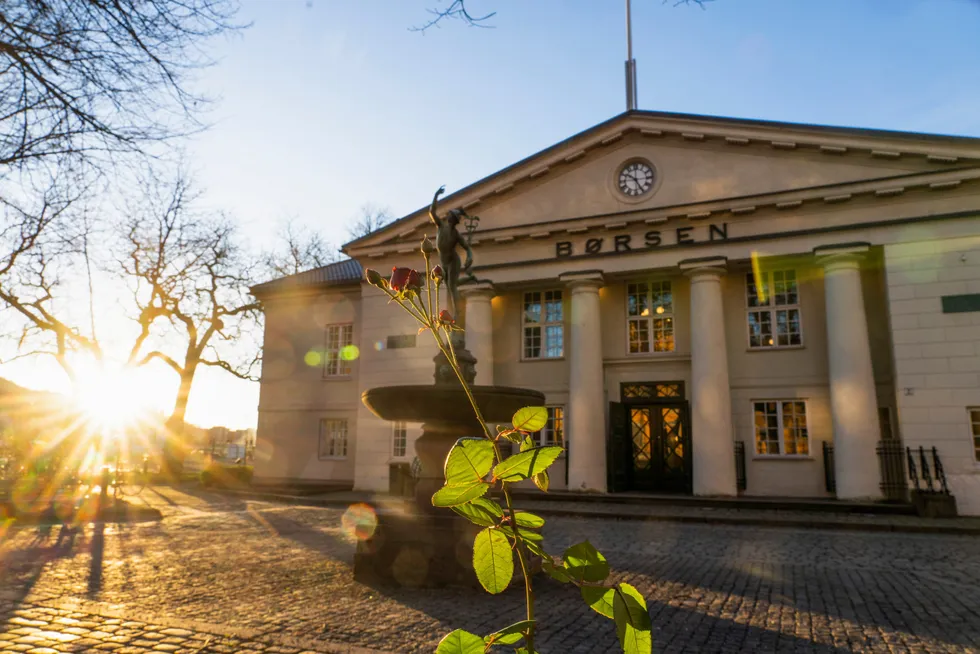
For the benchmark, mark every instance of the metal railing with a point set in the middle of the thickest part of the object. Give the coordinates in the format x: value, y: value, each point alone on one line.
x: 830, y: 480
x: 740, y: 479
x: 891, y: 460
x: 933, y: 481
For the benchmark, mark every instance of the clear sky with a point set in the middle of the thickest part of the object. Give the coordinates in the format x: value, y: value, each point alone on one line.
x: 331, y: 104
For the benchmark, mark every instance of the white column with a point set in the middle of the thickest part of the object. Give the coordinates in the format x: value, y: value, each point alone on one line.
x: 586, y: 408
x: 479, y: 329
x: 712, y: 443
x: 853, y: 400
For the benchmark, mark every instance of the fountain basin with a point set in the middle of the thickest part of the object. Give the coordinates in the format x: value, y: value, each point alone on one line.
x: 448, y: 404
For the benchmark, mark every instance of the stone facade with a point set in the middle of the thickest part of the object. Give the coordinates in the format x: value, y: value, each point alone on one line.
x: 847, y: 240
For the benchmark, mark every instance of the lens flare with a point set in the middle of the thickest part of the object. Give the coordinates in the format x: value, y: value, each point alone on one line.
x: 349, y: 352
x: 379, y: 345
x: 359, y: 521
x: 312, y: 359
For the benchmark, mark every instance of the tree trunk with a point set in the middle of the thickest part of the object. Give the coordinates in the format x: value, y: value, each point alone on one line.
x: 175, y: 446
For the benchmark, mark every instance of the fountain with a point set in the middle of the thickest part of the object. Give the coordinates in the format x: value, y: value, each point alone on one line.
x: 415, y: 543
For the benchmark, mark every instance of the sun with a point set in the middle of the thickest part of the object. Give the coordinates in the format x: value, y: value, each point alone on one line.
x: 111, y: 399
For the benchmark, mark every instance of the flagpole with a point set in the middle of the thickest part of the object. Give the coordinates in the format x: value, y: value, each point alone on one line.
x: 630, y: 62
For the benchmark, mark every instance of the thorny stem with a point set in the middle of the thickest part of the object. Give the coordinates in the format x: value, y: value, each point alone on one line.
x: 447, y: 349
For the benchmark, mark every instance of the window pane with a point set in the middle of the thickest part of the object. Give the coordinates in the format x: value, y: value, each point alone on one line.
x: 760, y: 329
x: 663, y: 335
x: 553, y: 306
x: 757, y: 291
x: 637, y: 300
x: 532, y: 307
x: 639, y: 336
x: 554, y: 337
x: 532, y: 342
x: 662, y: 299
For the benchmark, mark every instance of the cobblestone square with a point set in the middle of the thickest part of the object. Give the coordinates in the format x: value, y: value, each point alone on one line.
x: 219, y: 574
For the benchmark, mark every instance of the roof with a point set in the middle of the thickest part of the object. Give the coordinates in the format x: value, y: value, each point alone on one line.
x: 829, y: 130
x: 348, y: 271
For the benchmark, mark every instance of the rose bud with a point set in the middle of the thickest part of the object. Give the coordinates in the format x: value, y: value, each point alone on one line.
x: 399, y: 278
x: 446, y: 317
x: 427, y: 247
x: 414, y: 281
x: 373, y: 277
x: 437, y: 273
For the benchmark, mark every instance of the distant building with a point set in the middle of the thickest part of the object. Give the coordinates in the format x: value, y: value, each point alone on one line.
x: 686, y: 291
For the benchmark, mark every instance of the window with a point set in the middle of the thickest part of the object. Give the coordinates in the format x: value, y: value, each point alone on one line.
x: 337, y: 350
x: 553, y: 433
x: 975, y: 430
x: 780, y: 427
x: 650, y: 317
x: 333, y: 439
x: 773, y: 309
x: 399, y: 439
x: 400, y: 341
x: 544, y: 328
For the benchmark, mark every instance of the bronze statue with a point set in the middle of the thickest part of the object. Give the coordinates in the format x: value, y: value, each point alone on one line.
x: 448, y: 239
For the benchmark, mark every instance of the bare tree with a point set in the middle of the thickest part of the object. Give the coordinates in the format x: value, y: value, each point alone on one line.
x: 189, y: 277
x: 370, y: 219
x: 90, y: 77
x: 457, y: 10
x: 298, y: 248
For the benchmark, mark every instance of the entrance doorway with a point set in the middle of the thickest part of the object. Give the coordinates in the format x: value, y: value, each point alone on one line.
x: 650, y: 441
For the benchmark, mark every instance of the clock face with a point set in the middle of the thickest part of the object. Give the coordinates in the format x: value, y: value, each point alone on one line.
x: 635, y: 179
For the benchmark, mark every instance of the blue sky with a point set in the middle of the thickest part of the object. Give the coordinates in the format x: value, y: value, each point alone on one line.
x: 328, y: 104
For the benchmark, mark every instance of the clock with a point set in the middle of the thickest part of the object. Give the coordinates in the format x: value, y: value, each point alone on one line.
x: 635, y: 178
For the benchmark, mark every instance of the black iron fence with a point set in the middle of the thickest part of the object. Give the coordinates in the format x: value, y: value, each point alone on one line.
x: 740, y: 479
x: 891, y: 461
x: 922, y: 477
x: 829, y: 479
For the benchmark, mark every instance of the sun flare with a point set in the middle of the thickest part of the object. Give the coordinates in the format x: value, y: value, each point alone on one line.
x: 111, y: 399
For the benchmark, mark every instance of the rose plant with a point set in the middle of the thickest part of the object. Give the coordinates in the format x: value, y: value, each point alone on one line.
x: 475, y: 465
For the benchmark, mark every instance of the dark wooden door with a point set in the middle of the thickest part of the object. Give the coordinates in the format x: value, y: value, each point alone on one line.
x: 660, y: 443
x: 619, y: 454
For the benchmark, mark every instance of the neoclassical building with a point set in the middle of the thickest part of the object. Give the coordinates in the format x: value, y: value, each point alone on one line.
x: 711, y: 306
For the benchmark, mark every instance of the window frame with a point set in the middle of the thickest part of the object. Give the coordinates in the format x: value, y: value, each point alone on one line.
x: 973, y: 425
x: 344, y: 368
x: 542, y: 325
x: 771, y: 308
x: 649, y: 320
x: 396, y: 427
x: 544, y: 436
x: 331, y: 455
x: 780, y: 426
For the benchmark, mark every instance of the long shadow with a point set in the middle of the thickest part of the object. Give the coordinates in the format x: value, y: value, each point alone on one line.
x: 95, y: 562
x: 325, y: 543
x: 21, y: 568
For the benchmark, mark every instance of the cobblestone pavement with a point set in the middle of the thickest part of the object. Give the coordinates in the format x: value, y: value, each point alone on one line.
x: 219, y: 574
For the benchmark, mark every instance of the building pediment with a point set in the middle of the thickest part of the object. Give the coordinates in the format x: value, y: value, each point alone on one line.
x: 699, y: 166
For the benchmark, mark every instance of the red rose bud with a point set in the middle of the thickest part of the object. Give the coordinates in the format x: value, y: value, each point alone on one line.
x: 405, y: 279
x: 373, y: 277
x: 437, y: 273
x: 446, y: 317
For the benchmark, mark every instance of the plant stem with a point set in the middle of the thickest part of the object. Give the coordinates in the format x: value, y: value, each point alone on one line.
x: 519, y: 545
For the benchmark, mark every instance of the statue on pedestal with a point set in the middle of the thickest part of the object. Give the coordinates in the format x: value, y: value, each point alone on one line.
x: 448, y: 239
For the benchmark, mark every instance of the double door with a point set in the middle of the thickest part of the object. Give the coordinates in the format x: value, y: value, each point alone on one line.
x: 650, y: 447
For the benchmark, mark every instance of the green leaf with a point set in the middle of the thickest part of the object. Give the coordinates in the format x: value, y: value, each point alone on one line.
x: 525, y: 519
x: 584, y: 563
x: 530, y: 418
x: 512, y: 435
x: 527, y: 443
x: 456, y: 495
x: 526, y: 464
x: 600, y: 599
x: 461, y: 642
x: 632, y: 620
x: 527, y: 535
x: 469, y: 461
x: 493, y: 560
x: 480, y: 511
x: 542, y: 481
x: 555, y: 572
x: 509, y: 635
